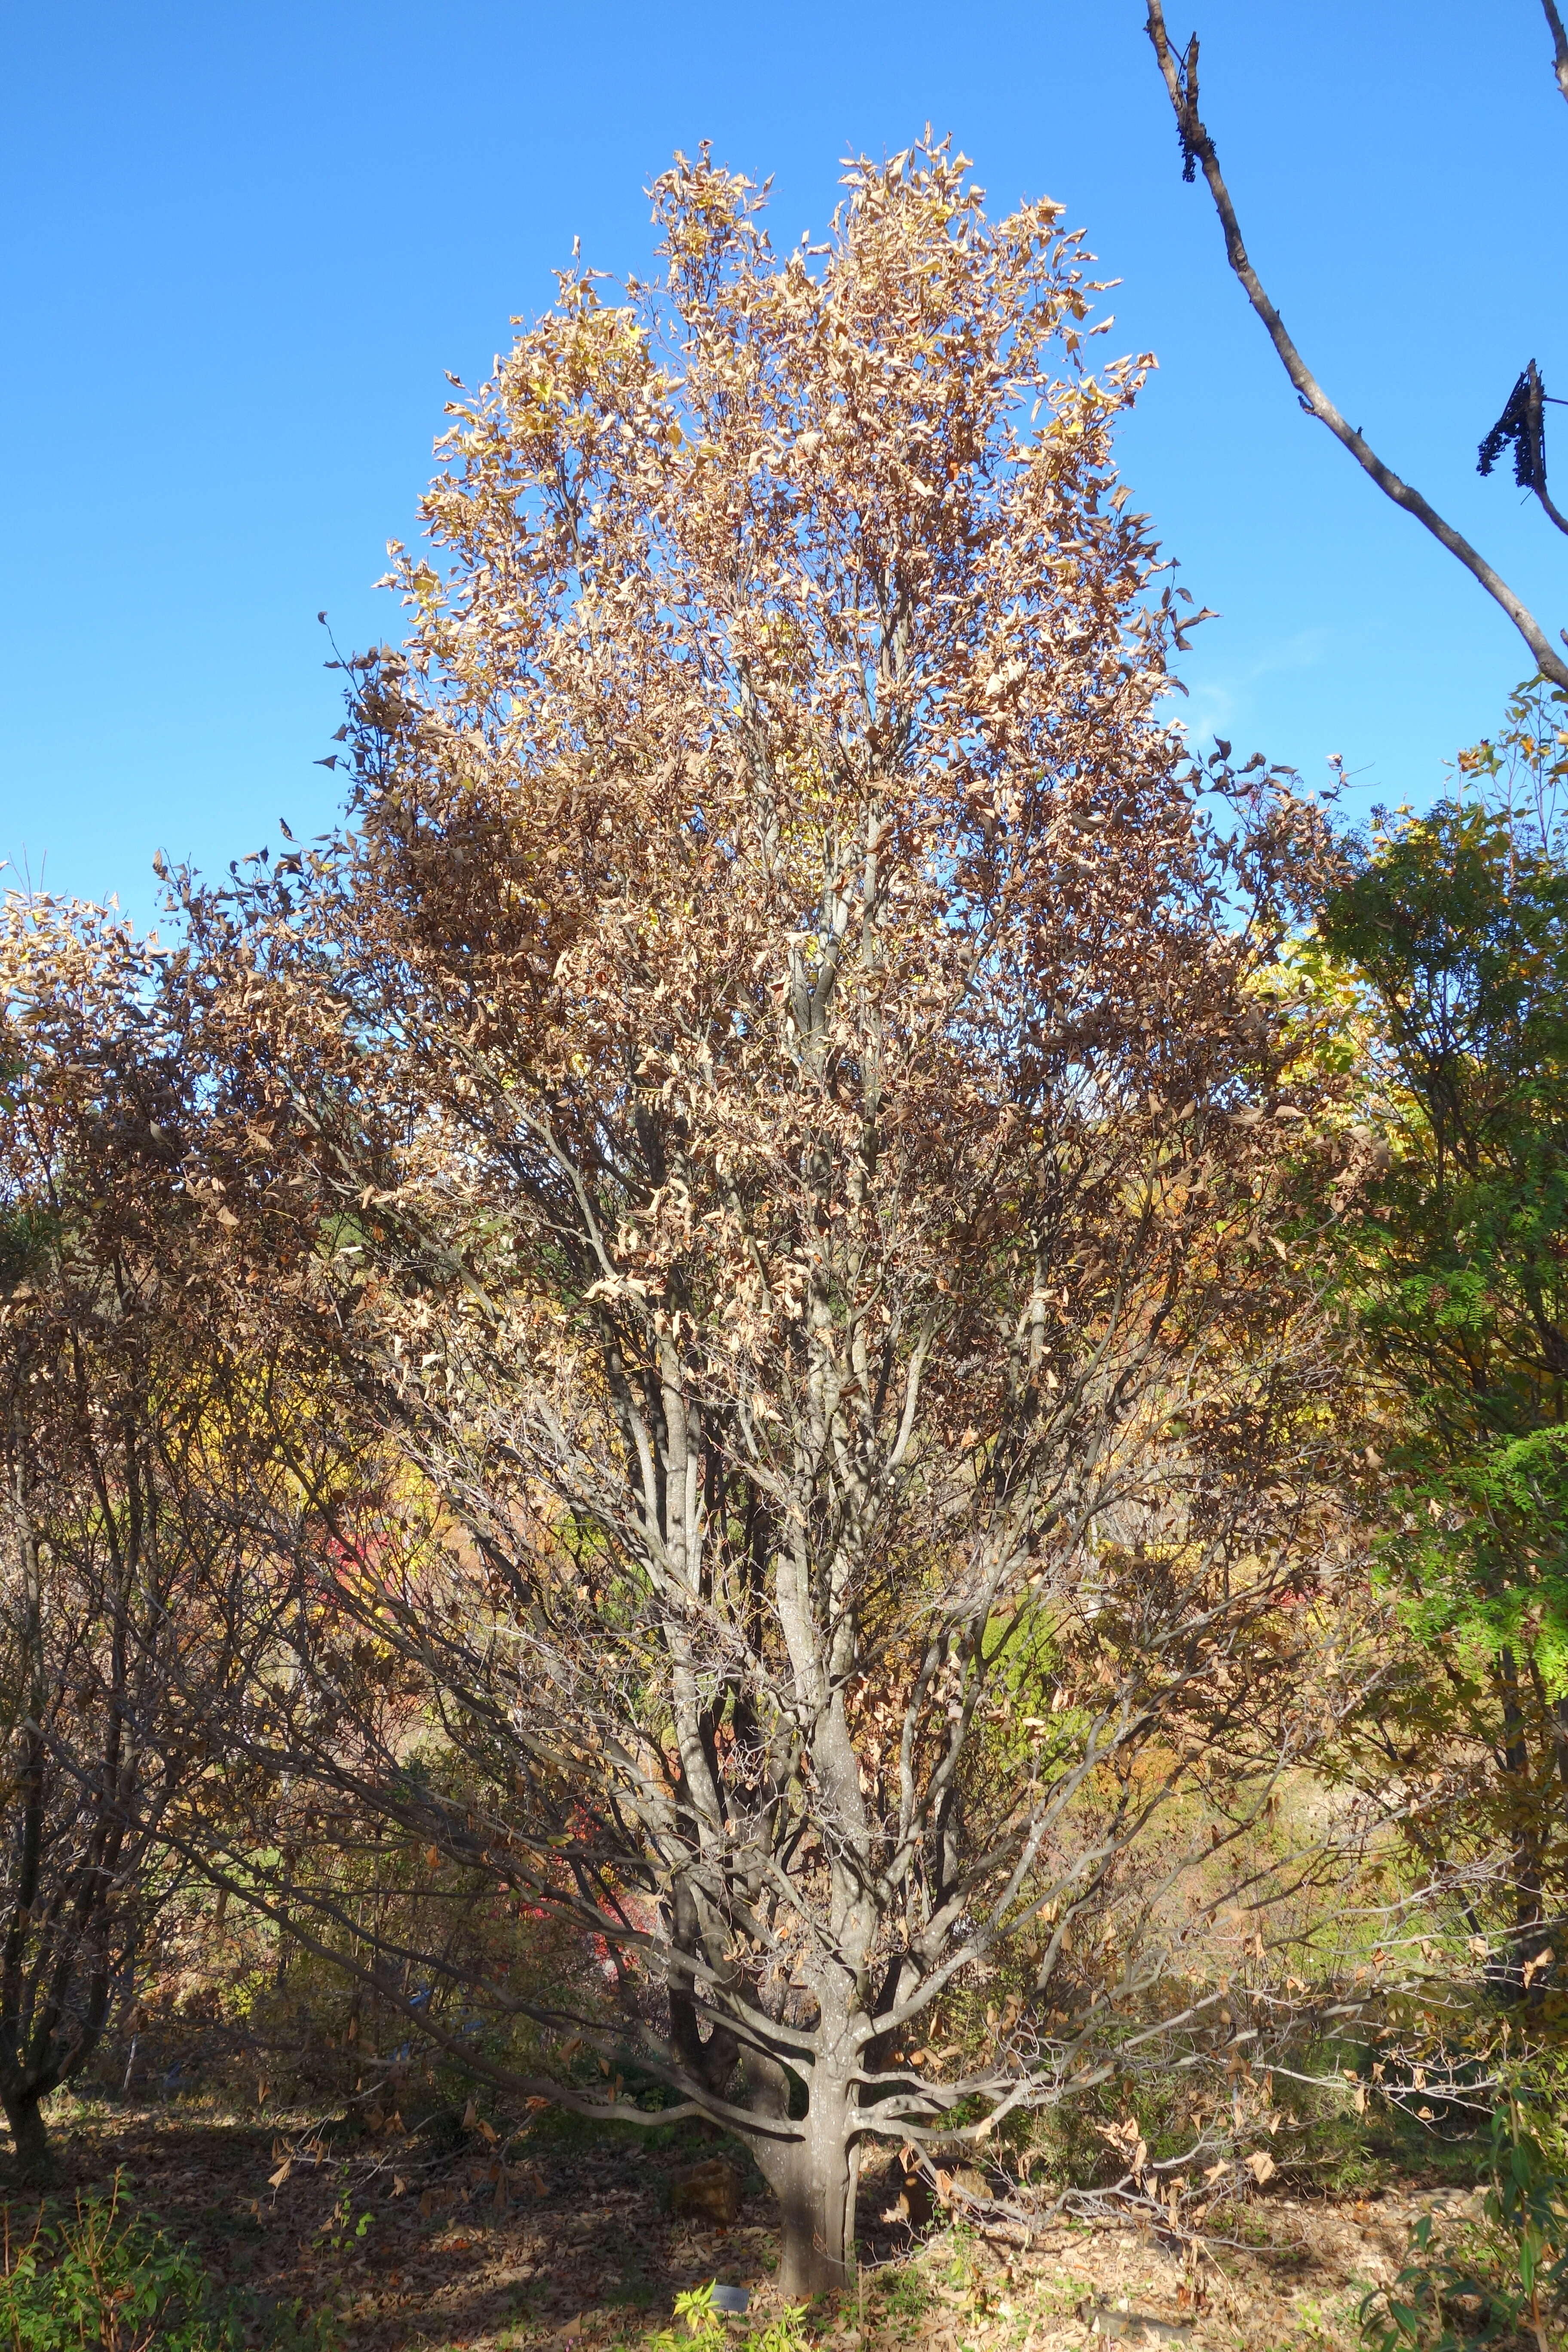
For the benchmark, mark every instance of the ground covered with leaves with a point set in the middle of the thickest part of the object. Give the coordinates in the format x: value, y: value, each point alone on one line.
x: 450, y: 2236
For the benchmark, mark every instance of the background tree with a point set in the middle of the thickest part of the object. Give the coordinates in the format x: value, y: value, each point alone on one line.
x: 1455, y: 928
x: 117, y: 1436
x: 800, y: 1154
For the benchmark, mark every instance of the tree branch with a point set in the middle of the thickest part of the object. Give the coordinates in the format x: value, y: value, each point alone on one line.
x: 1559, y: 45
x: 1181, y: 74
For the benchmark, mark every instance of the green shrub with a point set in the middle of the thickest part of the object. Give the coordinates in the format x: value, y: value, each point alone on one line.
x: 699, y: 2328
x: 100, y: 2278
x: 1517, y: 2268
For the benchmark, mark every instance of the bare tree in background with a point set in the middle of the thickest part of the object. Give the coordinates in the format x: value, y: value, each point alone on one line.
x: 1521, y: 421
x: 116, y: 1396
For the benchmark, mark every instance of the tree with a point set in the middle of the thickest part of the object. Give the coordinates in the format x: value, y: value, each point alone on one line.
x: 116, y: 1409
x: 1521, y: 422
x: 1455, y: 928
x: 799, y: 1159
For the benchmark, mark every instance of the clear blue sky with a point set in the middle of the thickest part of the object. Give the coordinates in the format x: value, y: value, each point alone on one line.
x: 243, y: 242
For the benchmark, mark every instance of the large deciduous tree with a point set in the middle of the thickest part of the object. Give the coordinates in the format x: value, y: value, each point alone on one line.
x: 801, y: 1171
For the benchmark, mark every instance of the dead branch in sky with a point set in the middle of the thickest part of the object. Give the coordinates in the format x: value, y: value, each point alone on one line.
x: 1181, y: 74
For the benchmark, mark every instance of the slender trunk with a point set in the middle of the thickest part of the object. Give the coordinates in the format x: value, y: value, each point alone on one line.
x: 815, y: 2179
x: 34, y: 2163
x: 1525, y: 1827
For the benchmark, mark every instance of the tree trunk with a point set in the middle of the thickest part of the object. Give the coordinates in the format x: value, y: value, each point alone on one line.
x: 34, y: 2163
x: 815, y: 2179
x: 1525, y: 1828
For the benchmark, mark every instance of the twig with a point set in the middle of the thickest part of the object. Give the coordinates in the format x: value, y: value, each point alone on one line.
x: 1181, y: 74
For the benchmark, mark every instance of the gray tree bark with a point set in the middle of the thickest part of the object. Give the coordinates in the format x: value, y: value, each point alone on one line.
x: 815, y: 2179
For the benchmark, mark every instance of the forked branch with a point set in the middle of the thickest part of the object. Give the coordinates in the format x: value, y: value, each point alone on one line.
x: 1181, y: 74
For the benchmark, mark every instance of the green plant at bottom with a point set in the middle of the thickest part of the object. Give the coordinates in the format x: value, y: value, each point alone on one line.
x: 785, y: 2333
x: 342, y: 2232
x: 704, y: 2325
x: 100, y: 2278
x: 705, y: 2331
x: 1438, y: 2305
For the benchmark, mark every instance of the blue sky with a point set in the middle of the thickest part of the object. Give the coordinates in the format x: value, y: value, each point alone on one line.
x: 243, y: 242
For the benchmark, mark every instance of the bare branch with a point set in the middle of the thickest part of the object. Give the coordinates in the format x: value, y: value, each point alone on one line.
x: 1559, y: 46
x: 1180, y: 73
